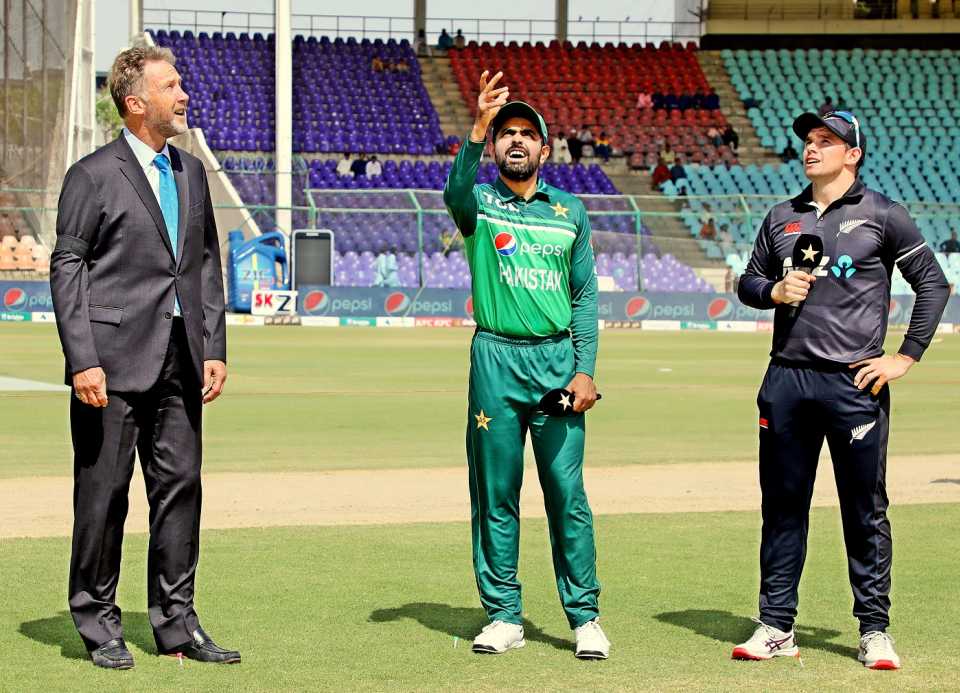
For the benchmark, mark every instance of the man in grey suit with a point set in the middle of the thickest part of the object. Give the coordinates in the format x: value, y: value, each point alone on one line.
x: 138, y: 296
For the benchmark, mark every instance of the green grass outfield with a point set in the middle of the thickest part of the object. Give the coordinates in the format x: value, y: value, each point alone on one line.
x: 393, y: 608
x: 321, y: 399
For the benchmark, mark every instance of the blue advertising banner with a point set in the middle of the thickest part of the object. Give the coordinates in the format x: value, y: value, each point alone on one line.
x: 25, y: 297
x: 18, y: 298
x: 616, y: 307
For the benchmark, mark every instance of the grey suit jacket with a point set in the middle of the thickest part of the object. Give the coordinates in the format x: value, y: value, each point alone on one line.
x: 113, y: 275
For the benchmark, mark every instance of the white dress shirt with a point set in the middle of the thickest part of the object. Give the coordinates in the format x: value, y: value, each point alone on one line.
x: 145, y: 156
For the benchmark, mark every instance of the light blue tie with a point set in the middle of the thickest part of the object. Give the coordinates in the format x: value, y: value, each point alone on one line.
x: 169, y: 206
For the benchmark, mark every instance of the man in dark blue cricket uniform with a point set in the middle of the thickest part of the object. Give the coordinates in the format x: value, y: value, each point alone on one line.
x: 828, y: 375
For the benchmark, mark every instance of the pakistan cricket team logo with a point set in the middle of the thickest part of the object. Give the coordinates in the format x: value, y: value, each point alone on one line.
x: 483, y: 421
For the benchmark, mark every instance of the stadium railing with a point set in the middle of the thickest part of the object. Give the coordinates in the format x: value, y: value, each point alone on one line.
x: 641, y: 242
x: 400, y: 27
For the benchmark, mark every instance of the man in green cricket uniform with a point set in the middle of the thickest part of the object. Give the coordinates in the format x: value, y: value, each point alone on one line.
x: 535, y: 303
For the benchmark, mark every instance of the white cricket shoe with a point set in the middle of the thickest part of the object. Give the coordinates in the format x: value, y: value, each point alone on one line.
x: 876, y: 651
x: 592, y: 643
x: 498, y: 637
x: 767, y: 642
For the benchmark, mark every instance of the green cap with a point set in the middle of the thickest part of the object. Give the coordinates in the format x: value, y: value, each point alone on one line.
x: 519, y: 109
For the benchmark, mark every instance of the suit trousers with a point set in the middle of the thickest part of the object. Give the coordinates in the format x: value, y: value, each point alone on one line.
x: 162, y: 425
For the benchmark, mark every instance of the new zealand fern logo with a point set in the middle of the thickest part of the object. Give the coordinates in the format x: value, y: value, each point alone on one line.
x: 844, y: 268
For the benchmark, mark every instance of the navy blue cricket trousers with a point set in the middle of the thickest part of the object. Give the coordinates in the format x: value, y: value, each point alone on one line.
x: 799, y: 408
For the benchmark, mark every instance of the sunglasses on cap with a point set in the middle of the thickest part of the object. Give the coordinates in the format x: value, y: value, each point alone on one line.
x: 850, y: 118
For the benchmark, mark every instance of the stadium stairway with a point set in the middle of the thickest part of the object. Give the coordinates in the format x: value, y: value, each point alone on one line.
x: 669, y: 232
x: 751, y: 151
x: 438, y: 78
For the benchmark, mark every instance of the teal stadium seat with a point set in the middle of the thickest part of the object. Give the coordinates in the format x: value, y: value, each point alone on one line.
x: 910, y: 112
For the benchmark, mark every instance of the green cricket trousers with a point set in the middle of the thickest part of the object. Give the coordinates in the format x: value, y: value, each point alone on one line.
x: 508, y: 376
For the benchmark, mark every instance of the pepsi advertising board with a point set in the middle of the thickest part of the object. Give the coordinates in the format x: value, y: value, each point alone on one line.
x: 20, y: 299
x: 615, y: 307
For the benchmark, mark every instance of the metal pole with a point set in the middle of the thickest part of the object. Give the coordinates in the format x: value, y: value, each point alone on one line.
x: 24, y: 80
x: 561, y: 13
x: 43, y: 94
x: 638, y: 228
x: 284, y: 114
x: 136, y: 17
x: 6, y: 78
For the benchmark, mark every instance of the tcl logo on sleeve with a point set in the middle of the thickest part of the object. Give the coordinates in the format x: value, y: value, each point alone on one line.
x: 791, y: 228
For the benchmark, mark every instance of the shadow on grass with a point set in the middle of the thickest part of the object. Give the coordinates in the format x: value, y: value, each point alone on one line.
x: 732, y: 629
x: 59, y: 631
x: 460, y: 622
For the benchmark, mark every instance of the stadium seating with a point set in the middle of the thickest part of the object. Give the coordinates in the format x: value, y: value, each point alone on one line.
x: 23, y: 255
x: 764, y: 186
x: 598, y: 86
x: 909, y: 115
x: 577, y: 179
x: 340, y: 102
x: 354, y: 268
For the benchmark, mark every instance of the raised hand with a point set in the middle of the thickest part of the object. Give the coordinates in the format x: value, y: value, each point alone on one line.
x: 489, y: 103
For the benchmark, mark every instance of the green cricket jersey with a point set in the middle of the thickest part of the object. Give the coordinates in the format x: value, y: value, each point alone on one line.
x: 531, y: 261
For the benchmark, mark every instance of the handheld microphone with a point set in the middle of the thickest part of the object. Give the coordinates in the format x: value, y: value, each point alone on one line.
x: 807, y: 252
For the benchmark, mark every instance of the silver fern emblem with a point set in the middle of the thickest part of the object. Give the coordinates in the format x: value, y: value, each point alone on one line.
x: 860, y: 432
x: 850, y: 225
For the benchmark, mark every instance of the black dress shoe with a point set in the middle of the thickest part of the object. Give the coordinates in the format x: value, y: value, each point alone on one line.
x: 112, y: 654
x: 203, y: 649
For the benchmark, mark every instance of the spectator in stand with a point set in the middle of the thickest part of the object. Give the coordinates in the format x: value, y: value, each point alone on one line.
x: 343, y: 166
x: 789, y: 153
x: 401, y: 66
x: 724, y: 235
x: 715, y: 136
x: 668, y: 156
x: 602, y: 147
x: 575, y: 146
x: 725, y: 238
x: 661, y: 174
x: 644, y: 101
x: 951, y: 245
x: 359, y: 166
x: 373, y: 167
x: 421, y: 46
x: 377, y: 64
x: 706, y: 215
x: 679, y: 176
x: 445, y: 42
x: 459, y: 42
x: 586, y: 138
x: 561, y: 150
x: 708, y: 232
x: 731, y: 138
x: 826, y: 106
x: 454, y: 147
x: 387, y: 271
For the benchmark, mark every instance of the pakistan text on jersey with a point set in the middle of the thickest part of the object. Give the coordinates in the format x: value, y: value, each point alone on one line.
x: 531, y: 279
